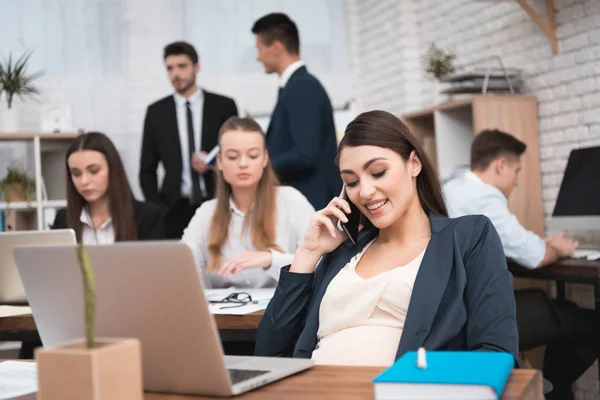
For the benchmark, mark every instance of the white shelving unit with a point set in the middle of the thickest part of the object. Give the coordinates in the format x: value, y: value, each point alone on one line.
x: 32, y: 205
x: 49, y: 152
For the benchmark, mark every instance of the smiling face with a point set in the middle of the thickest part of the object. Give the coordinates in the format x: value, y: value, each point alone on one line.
x: 242, y: 158
x: 89, y: 173
x: 380, y: 182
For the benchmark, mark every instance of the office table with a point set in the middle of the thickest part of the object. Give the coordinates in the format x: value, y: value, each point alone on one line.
x: 563, y: 271
x: 232, y: 328
x: 350, y: 383
x: 354, y: 383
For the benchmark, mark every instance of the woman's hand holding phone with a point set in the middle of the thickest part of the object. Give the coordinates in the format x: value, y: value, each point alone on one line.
x: 322, y: 236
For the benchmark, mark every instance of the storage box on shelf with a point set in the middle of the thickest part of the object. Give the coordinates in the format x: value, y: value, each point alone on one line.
x: 49, y: 151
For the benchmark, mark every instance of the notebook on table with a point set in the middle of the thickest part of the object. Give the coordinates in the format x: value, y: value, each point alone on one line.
x: 449, y: 375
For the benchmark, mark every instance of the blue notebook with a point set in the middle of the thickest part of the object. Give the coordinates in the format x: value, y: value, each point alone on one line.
x: 449, y: 375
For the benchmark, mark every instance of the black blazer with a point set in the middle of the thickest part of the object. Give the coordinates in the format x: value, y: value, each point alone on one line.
x: 149, y: 219
x: 160, y: 143
x: 301, y: 139
x: 462, y: 297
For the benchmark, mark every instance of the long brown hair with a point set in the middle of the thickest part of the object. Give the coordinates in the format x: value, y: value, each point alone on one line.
x: 382, y: 129
x: 261, y: 219
x: 120, y: 197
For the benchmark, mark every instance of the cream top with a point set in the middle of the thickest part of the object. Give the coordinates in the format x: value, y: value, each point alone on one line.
x: 361, y: 320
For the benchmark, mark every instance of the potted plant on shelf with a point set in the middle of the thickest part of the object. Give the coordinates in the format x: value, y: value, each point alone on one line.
x: 439, y: 65
x: 14, y: 80
x: 90, y: 369
x: 17, y: 186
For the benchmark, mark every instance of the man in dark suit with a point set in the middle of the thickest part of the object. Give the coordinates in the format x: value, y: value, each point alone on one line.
x: 301, y: 136
x: 179, y: 131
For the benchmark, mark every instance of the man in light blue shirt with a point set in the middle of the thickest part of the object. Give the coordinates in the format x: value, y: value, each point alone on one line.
x: 485, y: 189
x: 495, y: 167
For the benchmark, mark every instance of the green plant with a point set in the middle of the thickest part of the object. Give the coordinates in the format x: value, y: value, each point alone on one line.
x: 14, y: 79
x: 438, y: 62
x: 89, y: 294
x: 17, y: 177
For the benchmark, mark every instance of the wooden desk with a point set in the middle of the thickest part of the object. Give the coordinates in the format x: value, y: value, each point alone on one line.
x: 350, y: 383
x: 568, y: 270
x: 26, y: 323
x: 355, y: 383
x: 232, y: 328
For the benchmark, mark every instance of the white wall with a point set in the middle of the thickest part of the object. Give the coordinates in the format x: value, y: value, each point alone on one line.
x: 388, y: 37
x: 104, y: 57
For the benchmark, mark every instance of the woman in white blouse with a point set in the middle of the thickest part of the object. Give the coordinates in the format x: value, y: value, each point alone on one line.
x: 252, y: 228
x: 101, y: 208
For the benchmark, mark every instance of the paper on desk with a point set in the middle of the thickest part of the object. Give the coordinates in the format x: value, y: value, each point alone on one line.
x: 215, y: 308
x: 260, y: 300
x: 17, y: 379
x: 11, y: 311
x: 590, y: 255
x: 256, y: 294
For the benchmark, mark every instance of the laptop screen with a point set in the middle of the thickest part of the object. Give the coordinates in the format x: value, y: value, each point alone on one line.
x: 579, y: 192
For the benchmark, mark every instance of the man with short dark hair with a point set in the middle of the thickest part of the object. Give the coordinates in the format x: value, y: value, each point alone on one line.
x: 495, y: 167
x: 179, y: 130
x: 301, y: 136
x: 485, y: 189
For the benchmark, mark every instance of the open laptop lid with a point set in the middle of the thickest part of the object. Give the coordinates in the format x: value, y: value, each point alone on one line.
x: 578, y: 201
x: 11, y: 288
x: 147, y: 290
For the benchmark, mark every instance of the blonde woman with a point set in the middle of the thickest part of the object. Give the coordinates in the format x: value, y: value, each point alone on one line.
x: 252, y: 228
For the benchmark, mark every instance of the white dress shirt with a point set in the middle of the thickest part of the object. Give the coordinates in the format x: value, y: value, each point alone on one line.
x: 196, y: 105
x: 293, y: 216
x: 288, y: 72
x: 468, y: 195
x: 104, y: 234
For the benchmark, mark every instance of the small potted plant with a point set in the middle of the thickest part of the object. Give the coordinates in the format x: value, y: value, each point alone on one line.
x: 90, y: 369
x: 17, y: 185
x: 439, y: 65
x: 14, y: 80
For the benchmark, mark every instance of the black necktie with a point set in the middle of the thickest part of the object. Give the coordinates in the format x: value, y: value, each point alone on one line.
x: 196, y: 197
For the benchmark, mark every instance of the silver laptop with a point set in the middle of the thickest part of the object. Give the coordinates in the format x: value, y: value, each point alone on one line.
x: 150, y: 291
x: 11, y: 288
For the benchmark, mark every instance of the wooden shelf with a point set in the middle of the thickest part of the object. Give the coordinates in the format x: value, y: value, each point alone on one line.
x: 446, y: 131
x: 41, y: 135
x: 424, y: 113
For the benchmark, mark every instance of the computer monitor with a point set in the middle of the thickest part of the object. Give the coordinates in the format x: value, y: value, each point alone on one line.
x: 578, y: 202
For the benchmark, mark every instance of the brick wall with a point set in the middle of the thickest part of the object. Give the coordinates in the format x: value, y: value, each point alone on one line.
x: 388, y: 37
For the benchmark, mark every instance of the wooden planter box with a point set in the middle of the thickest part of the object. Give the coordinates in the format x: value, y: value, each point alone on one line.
x: 14, y: 192
x: 111, y: 371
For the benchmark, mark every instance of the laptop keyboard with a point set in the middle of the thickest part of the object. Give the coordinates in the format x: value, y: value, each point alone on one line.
x: 240, y: 375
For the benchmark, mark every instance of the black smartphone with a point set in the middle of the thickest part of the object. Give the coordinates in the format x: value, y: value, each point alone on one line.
x: 354, y: 218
